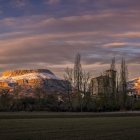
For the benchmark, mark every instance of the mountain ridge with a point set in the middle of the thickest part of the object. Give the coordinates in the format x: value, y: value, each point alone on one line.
x: 24, y: 71
x: 29, y: 79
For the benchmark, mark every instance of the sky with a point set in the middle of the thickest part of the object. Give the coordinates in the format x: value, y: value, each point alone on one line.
x: 49, y: 33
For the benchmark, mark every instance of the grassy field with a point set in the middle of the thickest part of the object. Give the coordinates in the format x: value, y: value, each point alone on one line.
x: 69, y: 126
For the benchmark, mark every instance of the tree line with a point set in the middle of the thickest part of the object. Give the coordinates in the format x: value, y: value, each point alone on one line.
x: 79, y: 94
x: 109, y: 98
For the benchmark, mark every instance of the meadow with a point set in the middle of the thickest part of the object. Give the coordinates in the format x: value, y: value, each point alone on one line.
x: 69, y: 126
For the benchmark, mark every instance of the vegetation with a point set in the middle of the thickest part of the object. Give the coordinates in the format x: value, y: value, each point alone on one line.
x: 78, y: 97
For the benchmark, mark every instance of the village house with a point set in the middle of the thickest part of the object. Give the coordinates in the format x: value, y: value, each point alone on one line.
x: 106, y: 83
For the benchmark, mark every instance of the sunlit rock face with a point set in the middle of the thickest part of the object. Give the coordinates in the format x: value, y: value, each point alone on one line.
x: 22, y: 72
x: 137, y: 85
x: 33, y: 78
x: 134, y: 86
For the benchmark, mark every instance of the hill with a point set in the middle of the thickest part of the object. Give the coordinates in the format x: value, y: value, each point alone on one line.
x: 134, y: 85
x: 29, y: 79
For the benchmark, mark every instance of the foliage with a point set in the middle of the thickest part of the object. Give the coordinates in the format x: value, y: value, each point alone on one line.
x: 78, y: 96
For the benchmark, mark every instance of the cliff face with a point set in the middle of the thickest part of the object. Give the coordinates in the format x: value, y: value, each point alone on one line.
x: 134, y: 85
x: 33, y: 78
x: 137, y: 85
x: 22, y: 72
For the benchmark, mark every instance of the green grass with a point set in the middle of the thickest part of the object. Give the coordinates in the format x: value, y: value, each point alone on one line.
x: 68, y: 126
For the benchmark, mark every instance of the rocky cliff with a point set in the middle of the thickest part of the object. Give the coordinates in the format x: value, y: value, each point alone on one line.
x: 22, y: 72
x: 33, y: 78
x: 134, y: 85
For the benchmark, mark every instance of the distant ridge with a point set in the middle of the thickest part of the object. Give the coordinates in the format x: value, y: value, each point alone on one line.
x: 24, y: 71
x: 30, y: 79
x: 134, y: 84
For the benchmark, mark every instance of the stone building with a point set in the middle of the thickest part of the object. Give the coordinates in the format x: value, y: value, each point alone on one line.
x: 106, y: 83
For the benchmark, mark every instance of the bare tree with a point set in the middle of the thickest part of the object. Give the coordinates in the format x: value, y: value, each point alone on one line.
x: 86, y: 78
x: 68, y: 76
x: 78, y: 78
x: 85, y: 82
x: 79, y: 81
x: 6, y: 100
x: 78, y: 73
x: 123, y: 83
x: 117, y: 88
x: 113, y: 78
x: 113, y: 64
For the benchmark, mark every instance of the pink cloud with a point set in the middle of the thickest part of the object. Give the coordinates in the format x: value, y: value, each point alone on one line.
x: 50, y: 41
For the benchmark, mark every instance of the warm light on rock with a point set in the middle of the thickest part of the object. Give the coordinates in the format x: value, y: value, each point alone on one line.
x: 137, y: 85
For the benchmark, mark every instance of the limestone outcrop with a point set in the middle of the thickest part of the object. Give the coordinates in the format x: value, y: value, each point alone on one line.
x: 22, y: 72
x: 33, y: 78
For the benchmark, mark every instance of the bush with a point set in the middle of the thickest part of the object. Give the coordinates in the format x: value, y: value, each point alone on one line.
x: 137, y: 105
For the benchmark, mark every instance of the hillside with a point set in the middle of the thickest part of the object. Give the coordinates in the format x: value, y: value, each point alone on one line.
x: 32, y: 78
x: 134, y: 85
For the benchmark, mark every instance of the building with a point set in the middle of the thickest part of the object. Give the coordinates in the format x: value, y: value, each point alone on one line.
x: 106, y: 83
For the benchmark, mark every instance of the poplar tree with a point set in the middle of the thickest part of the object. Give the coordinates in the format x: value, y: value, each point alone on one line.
x: 123, y: 83
x: 113, y: 78
x: 78, y: 78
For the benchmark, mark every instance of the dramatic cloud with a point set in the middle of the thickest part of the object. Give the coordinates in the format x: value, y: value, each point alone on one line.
x: 53, y: 31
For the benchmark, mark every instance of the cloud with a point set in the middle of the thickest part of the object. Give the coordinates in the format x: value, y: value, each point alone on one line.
x: 130, y: 34
x: 20, y: 3
x: 52, y: 2
x: 52, y: 41
x: 1, y: 12
x: 115, y: 44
